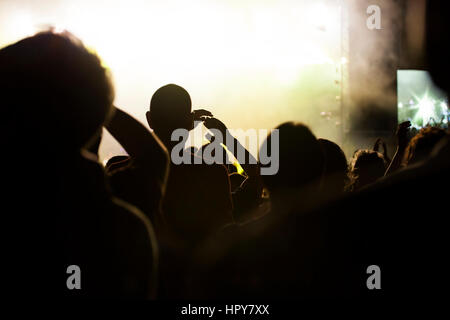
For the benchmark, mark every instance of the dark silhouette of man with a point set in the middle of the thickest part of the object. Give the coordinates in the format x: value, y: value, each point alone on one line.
x: 139, y: 178
x: 197, y: 201
x: 55, y: 97
x: 335, y: 175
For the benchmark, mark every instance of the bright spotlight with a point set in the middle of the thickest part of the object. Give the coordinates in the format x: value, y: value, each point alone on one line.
x: 425, y: 109
x: 323, y: 17
x: 263, y: 60
x: 20, y: 26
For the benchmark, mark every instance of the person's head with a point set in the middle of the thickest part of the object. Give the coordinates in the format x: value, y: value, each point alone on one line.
x: 422, y: 144
x: 366, y: 167
x: 170, y: 109
x: 301, y: 160
x: 54, y: 92
x: 335, y: 174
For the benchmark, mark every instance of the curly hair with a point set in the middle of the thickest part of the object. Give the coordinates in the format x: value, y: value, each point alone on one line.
x: 422, y: 144
x: 54, y: 89
x: 365, y: 168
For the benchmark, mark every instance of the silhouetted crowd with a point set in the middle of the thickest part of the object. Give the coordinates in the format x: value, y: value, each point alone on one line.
x: 144, y: 227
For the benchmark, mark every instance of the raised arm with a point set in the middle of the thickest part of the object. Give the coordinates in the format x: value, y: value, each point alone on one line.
x: 143, y: 146
x: 402, y: 132
x: 250, y: 191
x: 250, y: 164
x: 376, y: 148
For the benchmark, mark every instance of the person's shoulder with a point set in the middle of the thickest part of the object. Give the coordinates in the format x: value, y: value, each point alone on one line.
x: 132, y: 226
x: 137, y: 249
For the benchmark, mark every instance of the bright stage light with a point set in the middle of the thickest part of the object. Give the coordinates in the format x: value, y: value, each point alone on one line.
x: 323, y: 17
x: 425, y: 109
x: 239, y: 57
x: 419, y: 100
x: 180, y: 39
x: 20, y: 26
x: 427, y: 112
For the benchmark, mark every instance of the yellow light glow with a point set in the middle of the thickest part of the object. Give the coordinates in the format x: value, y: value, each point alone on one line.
x: 178, y: 40
x: 239, y: 57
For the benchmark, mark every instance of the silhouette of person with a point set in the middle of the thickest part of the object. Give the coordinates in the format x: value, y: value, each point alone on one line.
x: 335, y: 175
x: 198, y: 199
x: 141, y: 177
x: 366, y: 167
x: 422, y: 144
x: 301, y: 168
x: 276, y: 255
x: 55, y: 98
x: 244, y: 173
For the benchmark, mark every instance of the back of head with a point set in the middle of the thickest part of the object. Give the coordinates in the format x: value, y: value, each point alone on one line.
x: 335, y: 157
x: 54, y: 91
x: 170, y: 109
x: 335, y: 173
x: 301, y: 160
x: 367, y: 166
x: 422, y: 144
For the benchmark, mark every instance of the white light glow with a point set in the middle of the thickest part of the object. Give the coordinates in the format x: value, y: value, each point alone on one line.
x: 425, y: 110
x: 225, y: 53
x: 323, y: 17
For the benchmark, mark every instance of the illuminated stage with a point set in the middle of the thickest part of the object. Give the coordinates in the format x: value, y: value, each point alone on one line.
x: 253, y: 64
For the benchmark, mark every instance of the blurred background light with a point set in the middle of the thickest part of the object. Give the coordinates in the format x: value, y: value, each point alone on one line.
x: 254, y: 64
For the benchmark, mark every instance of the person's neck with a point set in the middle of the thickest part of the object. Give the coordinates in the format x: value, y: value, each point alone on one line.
x: 166, y: 140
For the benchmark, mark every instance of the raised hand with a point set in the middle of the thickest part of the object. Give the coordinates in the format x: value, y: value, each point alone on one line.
x: 376, y: 146
x: 214, y: 123
x: 199, y: 114
x: 402, y: 134
x: 402, y: 140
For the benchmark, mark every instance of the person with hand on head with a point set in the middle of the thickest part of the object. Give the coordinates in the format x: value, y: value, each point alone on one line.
x: 56, y: 96
x: 198, y: 199
x: 142, y: 178
x: 197, y: 202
